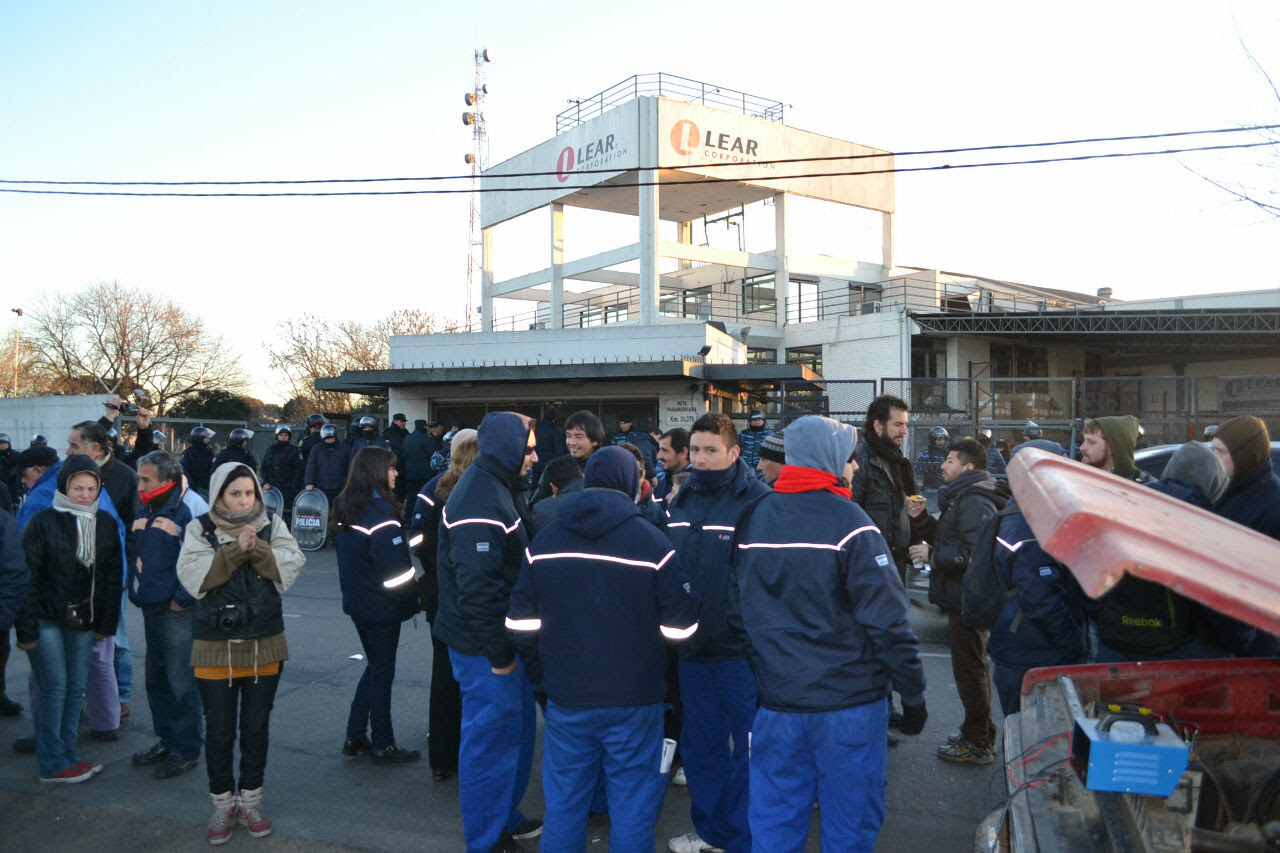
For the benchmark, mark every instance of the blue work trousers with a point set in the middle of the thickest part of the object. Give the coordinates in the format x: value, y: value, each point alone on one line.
x: 498, y: 726
x: 371, y: 705
x: 176, y: 711
x: 60, y: 663
x: 719, y: 703
x: 623, y: 743
x: 838, y: 758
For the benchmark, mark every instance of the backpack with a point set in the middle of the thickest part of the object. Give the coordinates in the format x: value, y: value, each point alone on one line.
x: 983, y: 593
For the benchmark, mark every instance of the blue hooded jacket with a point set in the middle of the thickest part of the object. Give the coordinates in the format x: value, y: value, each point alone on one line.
x: 482, y: 539
x: 599, y: 590
x: 701, y: 523
x: 152, y: 588
x: 817, y: 593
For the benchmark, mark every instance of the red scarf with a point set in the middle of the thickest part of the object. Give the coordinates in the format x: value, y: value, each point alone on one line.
x: 796, y: 478
x: 157, y: 498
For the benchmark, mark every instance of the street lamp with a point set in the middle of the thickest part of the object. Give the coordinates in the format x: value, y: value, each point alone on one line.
x: 17, y: 345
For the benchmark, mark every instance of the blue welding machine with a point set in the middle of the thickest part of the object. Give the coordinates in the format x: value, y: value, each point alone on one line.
x: 1128, y: 752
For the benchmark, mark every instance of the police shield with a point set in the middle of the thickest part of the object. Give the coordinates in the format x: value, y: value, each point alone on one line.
x: 310, y: 519
x: 274, y: 501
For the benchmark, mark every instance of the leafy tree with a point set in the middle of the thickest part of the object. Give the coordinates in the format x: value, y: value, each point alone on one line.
x: 212, y: 404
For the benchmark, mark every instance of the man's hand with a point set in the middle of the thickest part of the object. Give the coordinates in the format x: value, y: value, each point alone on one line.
x: 97, y: 636
x: 506, y: 670
x: 144, y: 418
x: 113, y: 408
x: 311, y: 488
x: 916, y: 506
x: 165, y: 524
x: 919, y: 553
x: 138, y: 524
x: 26, y: 647
x: 913, y: 717
x: 138, y: 564
x: 174, y: 605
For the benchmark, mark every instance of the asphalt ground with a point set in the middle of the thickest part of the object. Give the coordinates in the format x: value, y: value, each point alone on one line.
x: 320, y: 800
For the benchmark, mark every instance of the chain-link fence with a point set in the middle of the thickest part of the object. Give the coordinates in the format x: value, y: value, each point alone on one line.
x: 842, y: 399
x: 1166, y: 406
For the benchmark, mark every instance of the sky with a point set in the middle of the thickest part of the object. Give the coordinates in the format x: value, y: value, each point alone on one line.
x: 291, y: 90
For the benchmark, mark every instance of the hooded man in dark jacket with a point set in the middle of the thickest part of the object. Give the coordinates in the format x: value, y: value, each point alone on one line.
x: 603, y: 667
x: 717, y: 687
x: 884, y: 477
x: 1109, y: 443
x: 482, y: 541
x: 820, y: 600
x: 968, y: 498
x: 1044, y: 624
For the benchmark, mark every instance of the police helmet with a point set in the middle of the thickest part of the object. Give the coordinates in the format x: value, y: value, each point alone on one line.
x: 1209, y: 432
x: 939, y: 433
x: 316, y: 420
x: 367, y: 422
x: 985, y: 433
x: 284, y: 428
x: 4, y: 436
x: 199, y: 434
x: 39, y: 440
x: 114, y: 435
x: 328, y: 431
x: 1032, y: 430
x: 157, y: 438
x: 240, y: 436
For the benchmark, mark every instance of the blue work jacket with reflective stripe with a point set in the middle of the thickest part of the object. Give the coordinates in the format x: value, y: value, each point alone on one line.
x: 599, y: 590
x: 701, y: 524
x: 374, y: 568
x: 819, y: 598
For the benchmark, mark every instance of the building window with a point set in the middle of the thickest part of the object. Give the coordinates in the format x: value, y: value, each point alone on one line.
x: 802, y: 301
x: 762, y: 355
x: 759, y: 294
x: 810, y: 357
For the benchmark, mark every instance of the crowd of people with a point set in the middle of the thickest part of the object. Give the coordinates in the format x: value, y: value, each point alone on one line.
x: 720, y: 609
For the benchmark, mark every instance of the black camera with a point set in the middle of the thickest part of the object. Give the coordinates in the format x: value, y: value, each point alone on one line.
x: 123, y: 408
x: 231, y: 616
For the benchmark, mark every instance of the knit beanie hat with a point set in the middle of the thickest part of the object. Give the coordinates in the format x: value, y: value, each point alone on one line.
x: 1247, y: 439
x: 773, y: 449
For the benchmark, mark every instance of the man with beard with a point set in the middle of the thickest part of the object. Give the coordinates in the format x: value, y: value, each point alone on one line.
x: 884, y: 476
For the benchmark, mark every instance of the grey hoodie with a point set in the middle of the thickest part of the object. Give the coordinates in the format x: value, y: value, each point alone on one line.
x: 822, y: 443
x: 1194, y: 465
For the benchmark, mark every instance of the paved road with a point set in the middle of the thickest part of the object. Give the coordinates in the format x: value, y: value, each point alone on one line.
x: 321, y: 801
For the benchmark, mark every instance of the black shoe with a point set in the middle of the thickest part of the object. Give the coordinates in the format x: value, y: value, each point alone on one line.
x: 357, y: 745
x: 114, y: 734
x: 443, y: 774
x: 395, y: 755
x: 507, y: 844
x: 8, y: 707
x: 531, y: 828
x: 895, y: 718
x: 153, y: 754
x: 894, y: 740
x: 174, y: 765
x: 25, y: 746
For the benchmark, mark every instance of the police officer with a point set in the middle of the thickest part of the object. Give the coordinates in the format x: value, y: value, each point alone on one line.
x: 197, y: 459
x: 282, y: 467
x: 367, y: 434
x: 237, y: 450
x: 312, y: 438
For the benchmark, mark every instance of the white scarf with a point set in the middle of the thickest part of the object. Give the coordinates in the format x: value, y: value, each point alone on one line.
x: 86, y: 525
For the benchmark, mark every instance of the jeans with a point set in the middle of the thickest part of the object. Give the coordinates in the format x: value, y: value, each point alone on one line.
x: 123, y: 657
x: 626, y: 744
x: 60, y: 662
x: 371, y: 706
x: 498, y: 727
x: 254, y: 695
x: 171, y: 682
x: 838, y: 758
x: 719, y: 704
x: 444, y: 716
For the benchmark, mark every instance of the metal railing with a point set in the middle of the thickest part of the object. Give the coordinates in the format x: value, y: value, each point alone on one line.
x: 668, y: 86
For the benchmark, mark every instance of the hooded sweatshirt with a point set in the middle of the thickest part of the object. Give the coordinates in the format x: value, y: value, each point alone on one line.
x: 817, y: 594
x: 600, y: 550
x: 482, y: 540
x: 1121, y: 432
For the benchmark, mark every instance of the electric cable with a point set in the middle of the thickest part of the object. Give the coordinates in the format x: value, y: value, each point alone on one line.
x: 636, y: 184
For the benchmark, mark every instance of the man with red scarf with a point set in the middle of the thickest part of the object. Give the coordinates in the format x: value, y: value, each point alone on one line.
x: 819, y: 600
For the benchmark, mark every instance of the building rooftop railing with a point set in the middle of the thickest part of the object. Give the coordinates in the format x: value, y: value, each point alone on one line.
x: 668, y: 86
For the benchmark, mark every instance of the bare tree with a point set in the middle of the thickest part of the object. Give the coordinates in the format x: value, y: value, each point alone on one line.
x: 130, y: 339
x: 309, y: 347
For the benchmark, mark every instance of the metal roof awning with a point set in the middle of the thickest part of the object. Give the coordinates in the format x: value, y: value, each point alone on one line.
x: 746, y: 376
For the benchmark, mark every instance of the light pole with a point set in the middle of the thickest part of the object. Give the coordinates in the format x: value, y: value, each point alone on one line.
x: 17, y: 347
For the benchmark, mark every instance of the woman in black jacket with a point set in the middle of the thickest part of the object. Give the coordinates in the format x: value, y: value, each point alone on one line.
x: 378, y: 593
x: 76, y: 570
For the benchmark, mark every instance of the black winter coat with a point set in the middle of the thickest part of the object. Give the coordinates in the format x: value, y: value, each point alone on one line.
x: 327, y: 466
x: 13, y: 571
x: 236, y: 454
x: 282, y: 467
x: 56, y: 576
x: 415, y: 455
x: 880, y: 487
x: 197, y: 464
x: 967, y: 502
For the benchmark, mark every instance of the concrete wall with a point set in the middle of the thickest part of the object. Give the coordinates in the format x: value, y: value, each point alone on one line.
x: 52, y: 417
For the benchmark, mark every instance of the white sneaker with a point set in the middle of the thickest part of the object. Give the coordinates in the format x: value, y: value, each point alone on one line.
x: 691, y: 843
x: 677, y: 778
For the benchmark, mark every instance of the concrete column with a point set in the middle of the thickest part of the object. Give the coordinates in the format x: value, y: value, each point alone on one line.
x: 684, y: 236
x: 886, y: 242
x: 557, y: 266
x: 486, y: 279
x: 649, y: 277
x: 782, y: 278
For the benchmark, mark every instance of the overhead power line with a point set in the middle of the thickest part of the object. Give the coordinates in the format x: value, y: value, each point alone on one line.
x: 569, y: 188
x: 826, y: 158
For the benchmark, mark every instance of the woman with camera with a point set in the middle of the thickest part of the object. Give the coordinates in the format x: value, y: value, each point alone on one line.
x: 76, y: 564
x: 236, y: 560
x: 378, y: 594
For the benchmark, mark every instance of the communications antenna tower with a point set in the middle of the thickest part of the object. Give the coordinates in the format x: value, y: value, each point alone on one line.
x: 478, y: 159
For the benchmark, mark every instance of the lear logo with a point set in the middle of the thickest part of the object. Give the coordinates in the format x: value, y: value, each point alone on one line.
x: 564, y: 165
x: 684, y: 137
